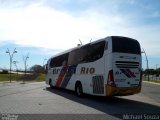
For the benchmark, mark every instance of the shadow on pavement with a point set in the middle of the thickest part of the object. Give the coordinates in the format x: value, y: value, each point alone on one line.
x: 115, y: 106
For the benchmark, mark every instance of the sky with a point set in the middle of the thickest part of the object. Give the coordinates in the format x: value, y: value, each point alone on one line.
x: 42, y: 28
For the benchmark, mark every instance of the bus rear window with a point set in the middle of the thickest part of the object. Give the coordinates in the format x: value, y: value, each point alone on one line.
x: 125, y: 45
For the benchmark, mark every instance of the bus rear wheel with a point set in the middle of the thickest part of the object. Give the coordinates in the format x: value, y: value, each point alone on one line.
x: 79, y: 90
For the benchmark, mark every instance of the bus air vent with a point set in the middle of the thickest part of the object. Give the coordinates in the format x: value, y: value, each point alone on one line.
x: 127, y: 64
x: 98, y: 84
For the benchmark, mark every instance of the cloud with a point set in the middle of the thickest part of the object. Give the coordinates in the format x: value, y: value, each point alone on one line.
x: 36, y: 24
x: 40, y: 26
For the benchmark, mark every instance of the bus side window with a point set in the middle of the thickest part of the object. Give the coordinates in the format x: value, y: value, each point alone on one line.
x: 52, y: 63
x: 61, y: 60
x: 96, y: 51
x: 71, y: 59
x: 64, y: 63
x: 87, y: 53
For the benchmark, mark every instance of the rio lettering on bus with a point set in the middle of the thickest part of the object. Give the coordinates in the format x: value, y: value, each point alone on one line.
x: 85, y: 70
x: 56, y: 71
x: 70, y: 70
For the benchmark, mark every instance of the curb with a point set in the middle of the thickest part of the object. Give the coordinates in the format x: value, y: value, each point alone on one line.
x: 152, y: 82
x: 4, y: 82
x: 8, y: 82
x: 20, y: 82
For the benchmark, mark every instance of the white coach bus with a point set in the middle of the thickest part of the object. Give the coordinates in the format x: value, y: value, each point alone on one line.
x: 107, y: 67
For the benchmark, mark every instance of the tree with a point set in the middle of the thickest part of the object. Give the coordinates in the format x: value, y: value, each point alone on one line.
x: 25, y: 62
x: 37, y: 69
x: 150, y: 71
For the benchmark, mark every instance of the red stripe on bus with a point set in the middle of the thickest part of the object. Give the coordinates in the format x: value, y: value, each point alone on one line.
x: 131, y: 73
x: 61, y: 76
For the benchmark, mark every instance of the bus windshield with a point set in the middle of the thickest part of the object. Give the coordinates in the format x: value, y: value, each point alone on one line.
x: 125, y: 45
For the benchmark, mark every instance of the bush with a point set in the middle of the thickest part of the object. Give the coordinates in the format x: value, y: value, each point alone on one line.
x: 4, y: 72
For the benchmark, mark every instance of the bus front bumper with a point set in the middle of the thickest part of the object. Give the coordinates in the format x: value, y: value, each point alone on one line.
x: 123, y: 91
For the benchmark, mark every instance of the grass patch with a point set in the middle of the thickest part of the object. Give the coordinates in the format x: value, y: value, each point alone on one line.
x: 151, y: 80
x: 6, y: 77
x: 21, y: 77
x: 40, y: 77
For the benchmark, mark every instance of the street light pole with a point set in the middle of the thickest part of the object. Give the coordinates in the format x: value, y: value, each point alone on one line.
x: 44, y: 65
x: 156, y: 66
x: 25, y: 63
x: 44, y: 61
x: 15, y: 63
x: 147, y: 63
x: 156, y: 71
x: 11, y: 58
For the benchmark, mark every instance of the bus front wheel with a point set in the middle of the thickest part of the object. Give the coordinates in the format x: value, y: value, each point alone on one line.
x: 79, y: 89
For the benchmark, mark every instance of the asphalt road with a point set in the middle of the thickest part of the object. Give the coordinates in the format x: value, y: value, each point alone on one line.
x: 151, y: 90
x: 38, y: 101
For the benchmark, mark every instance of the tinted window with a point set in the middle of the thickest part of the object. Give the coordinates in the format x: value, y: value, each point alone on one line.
x: 96, y: 51
x: 79, y: 55
x: 59, y: 61
x: 125, y: 45
x: 87, y: 53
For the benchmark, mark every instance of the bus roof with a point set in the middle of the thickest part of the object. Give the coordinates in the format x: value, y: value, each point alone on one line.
x: 99, y: 40
x: 69, y: 50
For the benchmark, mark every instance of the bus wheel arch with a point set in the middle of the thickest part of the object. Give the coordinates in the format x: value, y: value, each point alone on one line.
x: 79, y: 89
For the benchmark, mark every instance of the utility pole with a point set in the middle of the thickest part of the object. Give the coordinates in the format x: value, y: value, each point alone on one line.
x: 15, y: 63
x: 11, y: 58
x: 44, y: 61
x: 25, y: 64
x: 44, y: 65
x: 147, y: 63
x: 156, y: 71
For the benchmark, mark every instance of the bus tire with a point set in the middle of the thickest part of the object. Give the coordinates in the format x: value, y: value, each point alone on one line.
x: 79, y: 89
x: 50, y: 84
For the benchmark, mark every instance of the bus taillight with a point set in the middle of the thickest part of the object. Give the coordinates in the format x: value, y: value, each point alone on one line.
x: 110, y: 80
